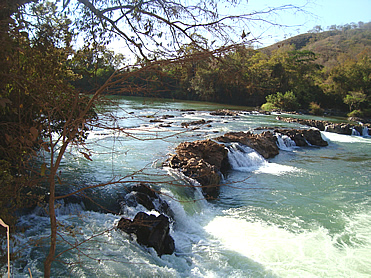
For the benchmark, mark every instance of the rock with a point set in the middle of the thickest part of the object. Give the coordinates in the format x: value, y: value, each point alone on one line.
x: 308, y: 122
x: 313, y: 136
x: 339, y: 128
x: 151, y: 231
x: 156, y: 121
x: 264, y: 143
x: 168, y: 116
x: 202, y: 161
x: 145, y: 195
x: 302, y: 137
x: 198, y: 122
x: 127, y: 225
x: 224, y: 112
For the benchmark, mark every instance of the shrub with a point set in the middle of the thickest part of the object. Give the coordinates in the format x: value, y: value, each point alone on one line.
x: 356, y: 113
x: 285, y: 101
x: 316, y: 109
x: 268, y: 107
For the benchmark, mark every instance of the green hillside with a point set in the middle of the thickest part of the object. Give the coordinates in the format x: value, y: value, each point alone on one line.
x: 333, y: 45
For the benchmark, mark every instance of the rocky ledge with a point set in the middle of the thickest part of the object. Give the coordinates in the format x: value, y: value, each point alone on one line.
x: 340, y: 128
x: 205, y: 160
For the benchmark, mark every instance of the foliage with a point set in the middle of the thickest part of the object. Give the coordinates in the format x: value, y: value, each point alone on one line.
x: 356, y: 113
x: 93, y: 65
x: 268, y: 106
x: 315, y: 109
x: 246, y: 76
x: 36, y: 102
x: 285, y: 101
x: 354, y: 100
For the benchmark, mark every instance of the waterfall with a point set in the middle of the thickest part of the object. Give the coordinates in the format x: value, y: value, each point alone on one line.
x: 245, y: 159
x: 355, y: 132
x: 365, y: 131
x: 241, y: 156
x: 284, y: 142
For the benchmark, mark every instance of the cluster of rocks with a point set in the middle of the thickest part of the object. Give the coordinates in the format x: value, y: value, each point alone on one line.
x: 205, y: 160
x: 150, y: 230
x: 340, y: 128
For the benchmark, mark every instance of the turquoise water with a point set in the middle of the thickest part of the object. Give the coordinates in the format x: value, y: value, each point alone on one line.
x: 304, y: 213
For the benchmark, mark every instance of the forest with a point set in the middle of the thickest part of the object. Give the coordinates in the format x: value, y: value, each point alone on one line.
x: 313, y: 72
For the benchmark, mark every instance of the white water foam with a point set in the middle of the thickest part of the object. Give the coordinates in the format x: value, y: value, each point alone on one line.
x: 245, y: 159
x: 355, y: 132
x: 284, y: 142
x: 305, y: 253
x: 335, y: 137
x: 365, y: 131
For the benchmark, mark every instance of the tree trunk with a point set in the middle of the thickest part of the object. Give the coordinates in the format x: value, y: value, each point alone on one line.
x: 53, y: 228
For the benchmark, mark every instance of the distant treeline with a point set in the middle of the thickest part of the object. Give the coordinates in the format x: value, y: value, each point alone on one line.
x: 330, y: 70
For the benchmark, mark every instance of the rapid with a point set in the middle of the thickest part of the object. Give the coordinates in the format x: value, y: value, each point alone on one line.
x: 304, y: 213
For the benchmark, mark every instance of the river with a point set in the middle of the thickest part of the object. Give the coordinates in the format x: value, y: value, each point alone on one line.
x: 304, y: 213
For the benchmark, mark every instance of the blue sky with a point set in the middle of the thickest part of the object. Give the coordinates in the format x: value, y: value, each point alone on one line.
x: 317, y: 12
x: 321, y: 12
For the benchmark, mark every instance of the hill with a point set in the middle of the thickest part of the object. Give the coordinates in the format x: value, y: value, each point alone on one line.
x: 330, y: 46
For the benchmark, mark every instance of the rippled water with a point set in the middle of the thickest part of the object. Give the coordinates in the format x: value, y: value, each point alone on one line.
x: 305, y: 213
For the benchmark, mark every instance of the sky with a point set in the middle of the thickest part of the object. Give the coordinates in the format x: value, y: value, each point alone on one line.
x: 317, y: 12
x: 320, y: 12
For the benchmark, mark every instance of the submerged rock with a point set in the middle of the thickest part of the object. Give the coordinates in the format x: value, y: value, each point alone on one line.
x: 264, y: 143
x: 202, y: 161
x: 151, y: 231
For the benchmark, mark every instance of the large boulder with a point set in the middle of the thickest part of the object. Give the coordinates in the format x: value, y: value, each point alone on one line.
x: 151, y: 231
x: 313, y: 136
x: 146, y: 196
x: 264, y: 143
x: 202, y: 161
